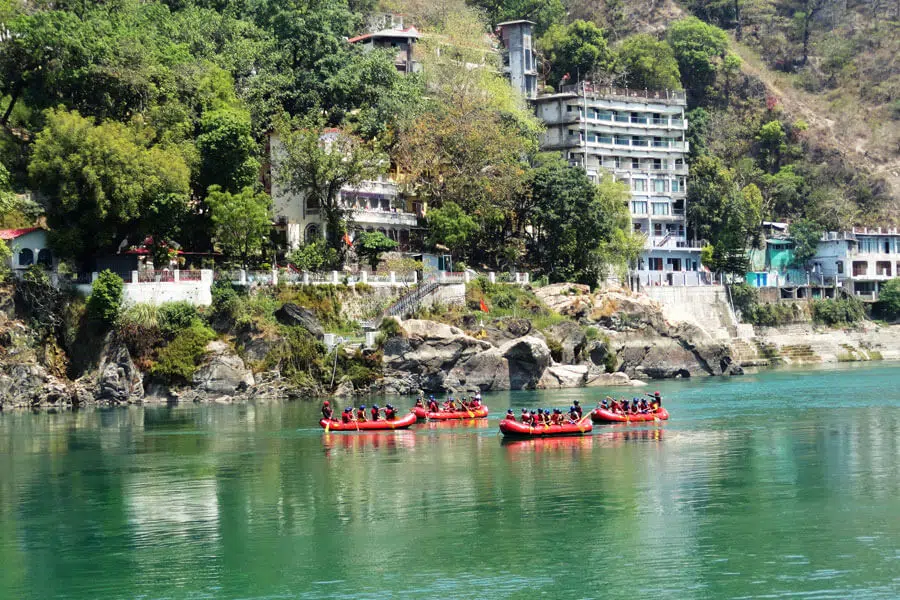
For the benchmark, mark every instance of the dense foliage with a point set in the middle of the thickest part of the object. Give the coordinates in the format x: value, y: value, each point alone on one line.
x: 105, y: 301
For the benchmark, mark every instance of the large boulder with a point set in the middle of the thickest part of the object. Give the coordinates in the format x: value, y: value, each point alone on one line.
x: 118, y: 380
x: 622, y: 311
x: 563, y: 376
x: 485, y: 371
x: 572, y: 340
x: 527, y: 357
x: 570, y: 299
x: 426, y: 353
x: 297, y: 316
x: 30, y: 384
x: 222, y: 373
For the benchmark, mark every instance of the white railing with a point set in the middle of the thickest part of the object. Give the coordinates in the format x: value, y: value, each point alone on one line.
x: 643, y: 278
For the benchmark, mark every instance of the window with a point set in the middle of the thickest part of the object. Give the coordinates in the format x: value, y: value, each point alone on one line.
x: 635, y: 163
x: 312, y: 204
x: 26, y: 257
x: 637, y: 228
x: 312, y: 233
x: 659, y: 186
x: 657, y: 163
x: 568, y: 108
x: 660, y: 208
x: 639, y: 185
x: 657, y: 229
x: 45, y: 258
x: 638, y: 207
x: 618, y: 160
x: 676, y: 187
x: 656, y: 264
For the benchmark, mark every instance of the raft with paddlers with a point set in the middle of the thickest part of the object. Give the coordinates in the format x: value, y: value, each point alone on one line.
x: 380, y: 424
x: 601, y: 415
x: 512, y: 428
x: 446, y: 415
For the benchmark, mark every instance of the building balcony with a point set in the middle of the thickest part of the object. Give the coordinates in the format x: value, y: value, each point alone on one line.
x: 671, y: 242
x: 639, y: 123
x: 626, y: 95
x: 628, y: 145
x: 382, y: 217
x: 647, y: 171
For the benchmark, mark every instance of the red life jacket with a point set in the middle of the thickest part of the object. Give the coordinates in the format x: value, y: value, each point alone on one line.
x: 345, y: 417
x: 374, y: 414
x: 433, y: 406
x: 578, y: 410
x: 327, y: 412
x: 389, y: 414
x: 360, y: 414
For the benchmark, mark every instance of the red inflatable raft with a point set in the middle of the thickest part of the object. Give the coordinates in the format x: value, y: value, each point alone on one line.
x: 512, y: 428
x: 599, y: 415
x: 423, y: 413
x: 378, y: 425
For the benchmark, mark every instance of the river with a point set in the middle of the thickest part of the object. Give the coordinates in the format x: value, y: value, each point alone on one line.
x: 783, y: 484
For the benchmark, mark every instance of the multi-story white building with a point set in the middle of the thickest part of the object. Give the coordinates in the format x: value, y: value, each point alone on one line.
x: 519, y: 62
x: 639, y: 138
x: 860, y: 260
x: 373, y: 205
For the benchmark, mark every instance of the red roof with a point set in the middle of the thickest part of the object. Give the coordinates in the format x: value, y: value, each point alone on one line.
x: 11, y: 234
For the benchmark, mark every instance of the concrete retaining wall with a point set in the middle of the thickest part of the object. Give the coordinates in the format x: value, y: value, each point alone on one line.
x: 704, y: 306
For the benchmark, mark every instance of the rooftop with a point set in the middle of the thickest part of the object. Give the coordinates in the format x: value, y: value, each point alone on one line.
x: 408, y: 32
x: 518, y: 22
x: 11, y: 234
x: 617, y: 93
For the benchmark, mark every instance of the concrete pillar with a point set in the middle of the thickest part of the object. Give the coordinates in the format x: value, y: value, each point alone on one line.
x: 134, y: 277
x: 364, y: 276
x: 393, y: 278
x: 243, y: 277
x: 274, y: 276
x: 335, y: 277
x: 466, y: 277
x: 305, y: 278
x: 492, y: 277
x: 94, y: 276
x: 177, y: 276
x: 415, y: 277
x: 206, y: 276
x: 442, y: 277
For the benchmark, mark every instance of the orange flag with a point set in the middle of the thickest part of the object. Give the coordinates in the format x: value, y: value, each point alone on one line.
x: 484, y: 307
x: 347, y: 239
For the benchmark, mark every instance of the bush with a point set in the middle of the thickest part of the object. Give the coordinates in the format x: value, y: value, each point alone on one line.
x: 842, y: 311
x: 178, y: 361
x: 138, y: 329
x: 299, y: 356
x: 744, y: 297
x: 226, y: 304
x: 889, y: 299
x: 175, y: 316
x: 105, y: 302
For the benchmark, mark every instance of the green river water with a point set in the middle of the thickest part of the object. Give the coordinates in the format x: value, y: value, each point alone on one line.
x: 784, y: 484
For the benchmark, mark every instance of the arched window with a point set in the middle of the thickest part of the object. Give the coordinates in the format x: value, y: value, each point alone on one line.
x: 45, y: 258
x: 26, y: 257
x: 312, y: 233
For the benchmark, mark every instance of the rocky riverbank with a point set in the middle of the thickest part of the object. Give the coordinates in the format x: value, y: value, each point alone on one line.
x: 608, y: 338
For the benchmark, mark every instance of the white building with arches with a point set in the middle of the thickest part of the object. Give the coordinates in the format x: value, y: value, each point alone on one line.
x: 28, y: 246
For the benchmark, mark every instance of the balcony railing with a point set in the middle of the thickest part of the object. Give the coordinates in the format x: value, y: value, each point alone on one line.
x: 597, y: 91
x: 383, y: 217
x: 594, y: 140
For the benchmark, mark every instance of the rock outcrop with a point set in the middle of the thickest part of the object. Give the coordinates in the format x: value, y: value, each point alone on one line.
x: 118, y: 380
x: 222, y: 373
x: 294, y: 315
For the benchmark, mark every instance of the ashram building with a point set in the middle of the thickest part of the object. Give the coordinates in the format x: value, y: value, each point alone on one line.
x: 860, y: 260
x: 28, y: 247
x: 638, y: 137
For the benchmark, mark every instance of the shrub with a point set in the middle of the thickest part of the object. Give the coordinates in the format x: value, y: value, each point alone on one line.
x: 555, y: 347
x: 744, y: 297
x: 175, y: 316
x: 889, y: 299
x: 178, y: 361
x: 842, y: 311
x: 105, y: 302
x: 299, y: 356
x: 226, y: 303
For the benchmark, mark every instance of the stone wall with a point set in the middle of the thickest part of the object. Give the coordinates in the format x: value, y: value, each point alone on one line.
x: 706, y: 307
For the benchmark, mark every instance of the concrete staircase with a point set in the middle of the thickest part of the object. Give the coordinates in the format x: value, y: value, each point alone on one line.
x: 799, y: 353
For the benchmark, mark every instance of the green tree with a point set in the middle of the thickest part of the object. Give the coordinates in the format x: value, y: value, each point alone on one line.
x: 105, y: 302
x: 577, y: 228
x: 97, y: 182
x: 5, y: 258
x: 577, y: 51
x: 227, y: 151
x: 772, y: 141
x: 313, y: 256
x: 240, y: 221
x: 648, y: 63
x: 889, y: 299
x: 317, y: 164
x: 806, y: 235
x: 785, y: 191
x: 371, y: 245
x: 699, y: 49
x: 451, y: 227
x: 544, y: 13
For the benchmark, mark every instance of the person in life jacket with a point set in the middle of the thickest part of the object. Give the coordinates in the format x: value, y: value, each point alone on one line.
x: 642, y: 405
x: 573, y: 414
x: 578, y: 408
x: 375, y: 412
x: 432, y: 404
x: 604, y: 404
x: 389, y: 413
x: 327, y: 411
x: 656, y: 403
x: 361, y: 413
x: 532, y: 419
x: 476, y: 401
x: 525, y: 418
x: 510, y: 415
x: 347, y: 415
x: 556, y: 417
x: 419, y: 403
